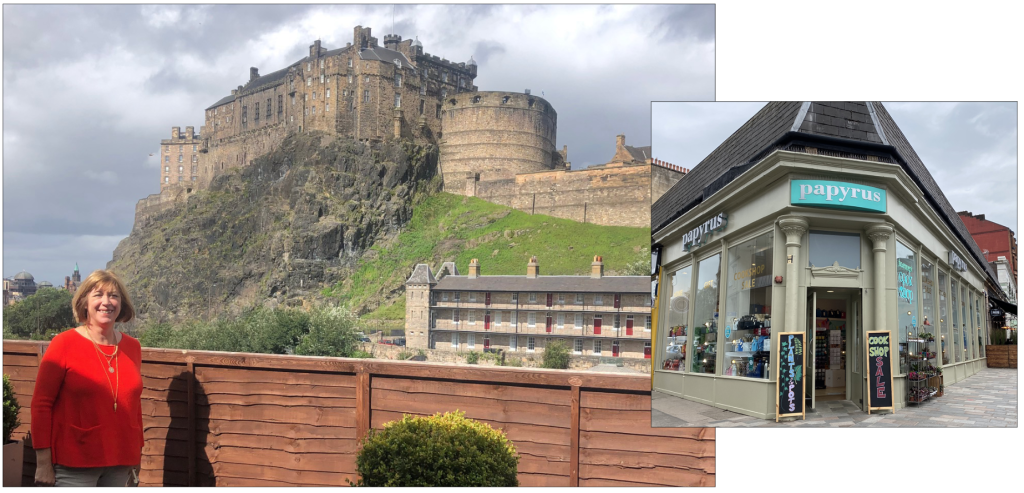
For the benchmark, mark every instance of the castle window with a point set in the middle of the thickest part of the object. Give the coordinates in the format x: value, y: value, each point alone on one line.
x: 314, y: 95
x: 245, y: 116
x: 309, y: 81
x: 280, y: 106
x: 321, y: 63
x: 193, y: 177
x: 195, y: 167
x: 193, y: 148
x: 398, y: 100
x: 327, y: 107
x: 293, y: 100
x: 167, y: 169
x: 504, y: 100
x: 167, y: 148
x: 328, y: 93
x: 181, y: 158
x: 181, y: 178
x: 167, y: 179
x: 366, y: 96
x: 529, y: 103
x: 349, y: 77
x: 422, y: 102
x: 195, y: 158
x: 167, y: 159
x: 256, y: 114
x: 350, y: 64
x: 462, y: 82
x: 444, y: 76
x: 181, y: 148
x: 181, y: 169
x: 367, y: 79
x: 423, y: 89
x: 437, y: 113
x: 309, y: 66
x: 476, y: 99
x: 398, y: 80
x: 321, y: 78
x: 444, y: 93
x: 268, y: 109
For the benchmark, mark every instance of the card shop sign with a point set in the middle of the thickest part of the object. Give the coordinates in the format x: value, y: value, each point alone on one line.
x: 956, y: 262
x: 879, y: 368
x: 789, y: 390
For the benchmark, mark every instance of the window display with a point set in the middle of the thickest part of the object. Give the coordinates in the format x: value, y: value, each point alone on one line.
x: 964, y: 321
x: 748, y: 308
x: 678, y: 316
x: 957, y: 347
x: 927, y: 328
x: 705, y: 316
x: 906, y: 298
x: 944, y: 320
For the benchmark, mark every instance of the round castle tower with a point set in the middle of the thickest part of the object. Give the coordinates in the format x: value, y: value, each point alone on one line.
x: 495, y: 135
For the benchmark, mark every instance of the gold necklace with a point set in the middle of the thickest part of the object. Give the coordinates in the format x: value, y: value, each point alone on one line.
x: 113, y: 390
x: 110, y: 367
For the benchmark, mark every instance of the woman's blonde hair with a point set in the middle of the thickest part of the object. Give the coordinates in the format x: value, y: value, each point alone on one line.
x: 104, y: 279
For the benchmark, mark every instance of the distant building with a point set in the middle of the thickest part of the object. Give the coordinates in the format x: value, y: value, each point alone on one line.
x: 72, y: 282
x: 995, y: 241
x: 179, y: 159
x: 595, y: 315
x: 19, y: 287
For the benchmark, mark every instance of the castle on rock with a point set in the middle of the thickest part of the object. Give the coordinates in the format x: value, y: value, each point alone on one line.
x: 498, y: 146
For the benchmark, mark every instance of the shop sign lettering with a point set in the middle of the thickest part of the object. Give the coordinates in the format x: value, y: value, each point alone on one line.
x: 904, y: 275
x: 956, y: 262
x: 790, y: 385
x: 699, y: 236
x: 837, y: 195
x: 880, y: 368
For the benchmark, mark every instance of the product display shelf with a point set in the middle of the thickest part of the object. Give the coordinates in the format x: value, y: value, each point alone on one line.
x: 747, y: 350
x: 675, y: 349
x: 921, y: 379
x: 820, y: 358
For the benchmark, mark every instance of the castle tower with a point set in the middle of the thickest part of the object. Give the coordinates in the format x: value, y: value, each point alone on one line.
x: 495, y: 135
x: 417, y: 306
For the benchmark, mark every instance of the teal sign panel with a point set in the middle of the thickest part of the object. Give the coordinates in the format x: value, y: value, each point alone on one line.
x: 837, y: 195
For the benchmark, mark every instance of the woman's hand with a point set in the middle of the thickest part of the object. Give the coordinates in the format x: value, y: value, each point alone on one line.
x: 44, y: 468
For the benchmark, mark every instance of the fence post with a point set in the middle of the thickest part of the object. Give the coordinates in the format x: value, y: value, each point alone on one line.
x: 363, y: 404
x: 574, y: 432
x: 192, y: 441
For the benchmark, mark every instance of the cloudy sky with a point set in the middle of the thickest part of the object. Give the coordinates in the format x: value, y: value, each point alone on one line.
x: 89, y: 91
x: 969, y: 148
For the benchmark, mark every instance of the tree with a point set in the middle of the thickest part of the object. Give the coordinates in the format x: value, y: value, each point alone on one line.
x: 556, y: 355
x: 48, y: 310
x: 332, y: 332
x: 640, y: 265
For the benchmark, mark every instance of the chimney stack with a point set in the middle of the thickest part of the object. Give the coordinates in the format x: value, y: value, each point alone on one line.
x: 532, y: 268
x: 597, y: 268
x: 254, y: 73
x: 620, y: 141
x: 474, y: 269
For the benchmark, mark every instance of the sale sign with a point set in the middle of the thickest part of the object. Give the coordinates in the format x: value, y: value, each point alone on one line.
x: 879, y: 367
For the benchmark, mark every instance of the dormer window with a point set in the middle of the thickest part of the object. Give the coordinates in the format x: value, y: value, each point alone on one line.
x: 398, y: 63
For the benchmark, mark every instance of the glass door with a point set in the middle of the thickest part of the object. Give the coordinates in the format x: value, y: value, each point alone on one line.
x: 856, y: 381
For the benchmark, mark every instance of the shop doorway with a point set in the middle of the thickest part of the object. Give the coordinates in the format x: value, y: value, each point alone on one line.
x: 833, y: 333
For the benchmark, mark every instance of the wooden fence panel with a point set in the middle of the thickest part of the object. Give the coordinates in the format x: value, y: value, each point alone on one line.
x: 618, y: 446
x: 236, y: 419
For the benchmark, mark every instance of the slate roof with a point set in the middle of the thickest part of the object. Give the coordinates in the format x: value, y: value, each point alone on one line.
x: 551, y: 284
x: 384, y: 55
x: 225, y: 100
x: 421, y: 275
x: 856, y: 125
x: 639, y: 153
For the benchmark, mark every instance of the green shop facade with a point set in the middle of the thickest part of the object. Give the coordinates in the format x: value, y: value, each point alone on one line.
x: 793, y: 226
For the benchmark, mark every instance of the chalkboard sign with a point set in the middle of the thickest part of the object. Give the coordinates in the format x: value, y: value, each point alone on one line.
x: 789, y: 387
x: 879, y: 370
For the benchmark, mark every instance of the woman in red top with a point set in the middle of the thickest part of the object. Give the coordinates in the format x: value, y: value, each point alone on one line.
x: 86, y: 409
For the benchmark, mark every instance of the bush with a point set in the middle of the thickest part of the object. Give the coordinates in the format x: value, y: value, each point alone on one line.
x: 473, y: 358
x: 404, y: 355
x: 332, y: 332
x: 441, y: 450
x: 556, y: 355
x: 48, y: 310
x: 999, y: 336
x: 11, y: 408
x: 513, y: 362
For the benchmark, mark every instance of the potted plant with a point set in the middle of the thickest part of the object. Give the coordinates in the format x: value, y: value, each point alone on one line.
x: 13, y: 451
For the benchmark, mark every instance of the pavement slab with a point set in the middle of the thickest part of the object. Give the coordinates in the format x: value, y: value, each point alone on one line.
x: 986, y: 399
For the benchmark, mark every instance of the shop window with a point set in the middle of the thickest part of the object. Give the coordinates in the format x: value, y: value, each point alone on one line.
x: 577, y: 347
x: 678, y: 320
x: 944, y: 340
x: 980, y: 326
x: 928, y: 308
x: 827, y: 248
x: 957, y: 346
x: 964, y: 321
x: 748, y: 308
x: 705, y: 323
x: 906, y: 298
x: 969, y: 326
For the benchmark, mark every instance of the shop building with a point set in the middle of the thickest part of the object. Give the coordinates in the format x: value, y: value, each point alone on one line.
x: 816, y: 218
x: 596, y: 315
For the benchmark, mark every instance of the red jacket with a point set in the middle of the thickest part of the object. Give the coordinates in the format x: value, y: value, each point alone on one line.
x: 73, y: 405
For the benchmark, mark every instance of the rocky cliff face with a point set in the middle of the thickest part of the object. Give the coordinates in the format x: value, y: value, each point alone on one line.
x: 278, y: 231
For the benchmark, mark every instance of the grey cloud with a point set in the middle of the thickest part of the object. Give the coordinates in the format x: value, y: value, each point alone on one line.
x: 685, y: 22
x: 485, y: 50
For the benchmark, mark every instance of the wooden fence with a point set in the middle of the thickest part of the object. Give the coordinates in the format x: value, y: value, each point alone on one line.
x: 240, y: 419
x: 1004, y: 356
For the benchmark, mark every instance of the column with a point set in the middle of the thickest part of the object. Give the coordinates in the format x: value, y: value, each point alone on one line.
x: 879, y: 234
x: 794, y: 227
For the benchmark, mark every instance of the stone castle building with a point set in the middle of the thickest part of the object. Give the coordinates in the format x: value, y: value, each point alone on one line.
x: 498, y: 146
x: 595, y: 315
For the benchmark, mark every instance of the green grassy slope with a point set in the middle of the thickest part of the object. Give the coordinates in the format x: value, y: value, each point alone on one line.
x: 447, y: 227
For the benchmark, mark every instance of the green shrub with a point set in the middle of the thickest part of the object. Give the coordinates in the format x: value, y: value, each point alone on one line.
x: 556, y: 355
x: 513, y: 362
x: 999, y: 336
x: 404, y: 355
x: 473, y: 358
x: 11, y: 408
x: 421, y: 353
x: 441, y: 450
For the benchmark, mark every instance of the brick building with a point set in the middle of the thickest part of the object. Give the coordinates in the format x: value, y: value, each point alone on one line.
x: 597, y: 315
x: 179, y: 159
x: 994, y: 240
